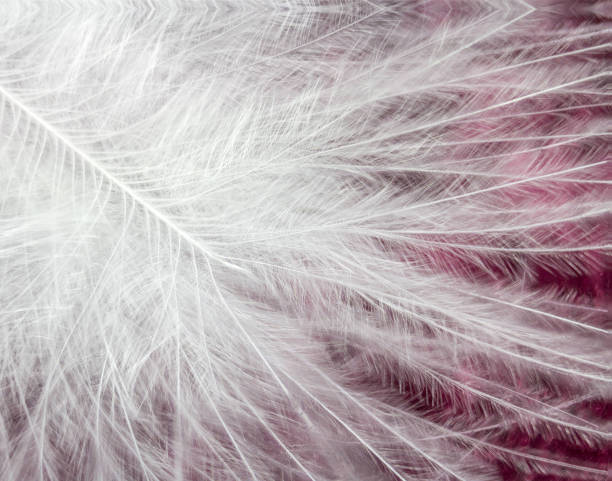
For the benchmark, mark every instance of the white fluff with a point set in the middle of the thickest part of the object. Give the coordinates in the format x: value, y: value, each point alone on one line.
x: 260, y: 240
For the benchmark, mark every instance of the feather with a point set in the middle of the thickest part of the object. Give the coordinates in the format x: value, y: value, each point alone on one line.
x: 304, y: 240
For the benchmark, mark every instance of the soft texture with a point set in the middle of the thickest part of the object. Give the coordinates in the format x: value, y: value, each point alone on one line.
x: 326, y: 240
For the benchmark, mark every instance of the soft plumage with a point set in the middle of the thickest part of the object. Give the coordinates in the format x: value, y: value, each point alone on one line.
x: 305, y: 240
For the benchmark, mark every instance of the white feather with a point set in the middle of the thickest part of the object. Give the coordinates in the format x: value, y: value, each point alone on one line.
x: 264, y: 240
